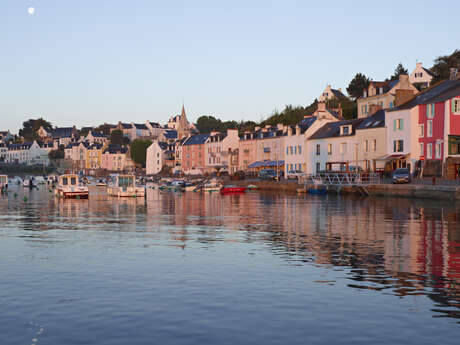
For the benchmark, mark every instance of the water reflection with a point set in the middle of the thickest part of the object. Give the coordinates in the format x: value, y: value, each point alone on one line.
x: 390, y: 246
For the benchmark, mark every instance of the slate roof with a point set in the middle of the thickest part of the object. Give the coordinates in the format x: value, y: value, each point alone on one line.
x: 437, y: 93
x: 332, y: 129
x: 140, y: 126
x: 197, y: 139
x: 337, y: 93
x: 126, y: 125
x: 98, y: 134
x: 116, y: 149
x: 334, y: 113
x: 155, y: 124
x: 375, y: 121
x: 62, y: 132
x: 171, y: 134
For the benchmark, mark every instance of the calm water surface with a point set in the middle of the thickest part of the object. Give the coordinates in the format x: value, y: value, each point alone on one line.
x: 244, y: 269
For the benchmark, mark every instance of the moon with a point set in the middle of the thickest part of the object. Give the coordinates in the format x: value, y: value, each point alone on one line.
x: 31, y: 10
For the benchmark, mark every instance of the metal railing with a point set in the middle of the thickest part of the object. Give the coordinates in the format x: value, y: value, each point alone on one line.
x: 342, y: 178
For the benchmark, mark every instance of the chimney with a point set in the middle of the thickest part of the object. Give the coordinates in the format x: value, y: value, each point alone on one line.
x: 289, y: 130
x: 418, y: 65
x: 280, y: 126
x: 404, y: 79
x: 321, y: 106
x: 402, y: 96
x: 453, y: 73
x: 297, y: 130
x: 373, y: 108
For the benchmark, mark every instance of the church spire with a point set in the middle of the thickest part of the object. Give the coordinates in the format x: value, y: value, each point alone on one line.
x: 183, y: 110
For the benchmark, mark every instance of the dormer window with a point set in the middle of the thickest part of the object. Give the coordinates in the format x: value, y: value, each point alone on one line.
x: 345, y: 130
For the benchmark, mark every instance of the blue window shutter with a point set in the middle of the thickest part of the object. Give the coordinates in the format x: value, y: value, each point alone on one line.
x: 428, y: 111
x: 432, y: 110
x: 394, y: 125
x: 402, y: 124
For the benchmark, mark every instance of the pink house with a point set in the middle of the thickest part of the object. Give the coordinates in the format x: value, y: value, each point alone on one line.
x: 114, y: 158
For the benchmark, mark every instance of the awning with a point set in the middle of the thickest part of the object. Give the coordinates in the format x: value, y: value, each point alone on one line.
x: 265, y: 163
x: 391, y: 157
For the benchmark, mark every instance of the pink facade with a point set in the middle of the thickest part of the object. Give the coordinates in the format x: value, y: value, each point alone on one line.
x: 454, y: 118
x: 113, y: 161
x: 431, y: 130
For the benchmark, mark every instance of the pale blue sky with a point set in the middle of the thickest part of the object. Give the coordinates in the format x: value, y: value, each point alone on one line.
x: 93, y: 61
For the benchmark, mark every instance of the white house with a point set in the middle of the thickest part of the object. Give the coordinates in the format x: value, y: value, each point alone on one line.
x: 159, y: 154
x: 96, y: 137
x: 333, y: 147
x: 402, y: 137
x: 27, y: 153
x: 330, y: 93
x: 421, y: 76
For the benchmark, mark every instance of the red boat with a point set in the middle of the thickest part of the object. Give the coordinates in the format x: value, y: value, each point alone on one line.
x: 232, y: 189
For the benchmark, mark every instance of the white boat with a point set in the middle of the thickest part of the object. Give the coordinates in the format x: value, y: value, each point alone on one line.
x: 28, y: 182
x: 39, y: 180
x: 212, y: 186
x: 3, y: 182
x: 101, y: 183
x: 69, y: 186
x: 125, y: 186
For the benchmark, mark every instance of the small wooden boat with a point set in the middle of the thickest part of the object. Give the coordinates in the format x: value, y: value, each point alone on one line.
x: 125, y: 186
x: 69, y: 186
x: 317, y: 191
x: 232, y: 189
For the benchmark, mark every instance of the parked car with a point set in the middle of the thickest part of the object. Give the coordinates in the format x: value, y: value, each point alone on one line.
x: 268, y: 174
x: 402, y: 176
x: 294, y: 174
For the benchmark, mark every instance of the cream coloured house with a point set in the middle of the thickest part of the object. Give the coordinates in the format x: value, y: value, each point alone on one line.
x: 330, y: 93
x: 421, y: 76
x: 385, y: 95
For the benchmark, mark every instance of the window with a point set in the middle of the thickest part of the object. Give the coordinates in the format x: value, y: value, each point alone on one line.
x: 430, y: 111
x: 429, y: 151
x: 398, y: 124
x: 318, y: 167
x: 398, y: 146
x: 375, y: 145
x: 329, y: 149
x: 421, y: 149
x: 295, y: 150
x: 366, y: 146
x: 421, y: 133
x: 287, y: 150
x: 438, y: 150
x: 318, y: 149
x: 430, y: 128
x: 345, y: 130
x: 456, y: 106
x: 343, y: 148
x: 290, y: 148
x: 300, y: 150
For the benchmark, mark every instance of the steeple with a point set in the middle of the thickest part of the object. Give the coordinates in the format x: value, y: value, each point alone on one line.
x: 183, y: 111
x: 184, y: 127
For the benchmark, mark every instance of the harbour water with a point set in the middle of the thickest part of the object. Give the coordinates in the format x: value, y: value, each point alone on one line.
x: 258, y: 268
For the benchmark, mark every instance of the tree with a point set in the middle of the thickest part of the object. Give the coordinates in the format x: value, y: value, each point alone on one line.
x: 56, y: 154
x: 105, y: 128
x: 398, y: 71
x: 30, y: 127
x: 138, y: 150
x: 443, y: 64
x: 116, y: 137
x: 357, y: 85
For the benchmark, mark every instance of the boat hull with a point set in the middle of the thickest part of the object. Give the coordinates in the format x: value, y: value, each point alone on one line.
x: 233, y: 190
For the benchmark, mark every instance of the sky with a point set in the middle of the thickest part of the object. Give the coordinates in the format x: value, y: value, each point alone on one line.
x: 87, y: 62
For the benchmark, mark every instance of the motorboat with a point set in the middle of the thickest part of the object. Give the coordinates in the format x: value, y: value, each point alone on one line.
x: 29, y: 182
x: 69, y: 186
x: 3, y: 183
x: 212, y: 186
x: 125, y: 186
x: 232, y: 189
x: 252, y: 187
x: 101, y: 183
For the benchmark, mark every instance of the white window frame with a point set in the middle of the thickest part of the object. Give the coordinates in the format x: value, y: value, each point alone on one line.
x: 421, y: 132
x: 456, y: 106
x: 429, y: 131
x: 429, y: 151
x: 438, y: 149
x: 329, y: 149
